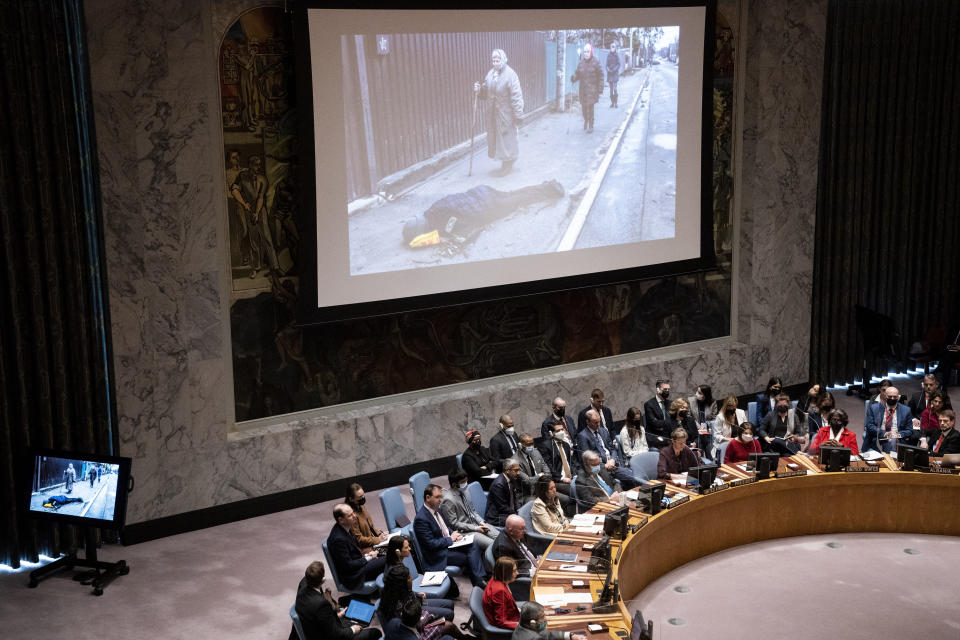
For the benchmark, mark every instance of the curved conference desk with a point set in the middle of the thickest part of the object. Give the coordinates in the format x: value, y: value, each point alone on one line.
x: 886, y: 501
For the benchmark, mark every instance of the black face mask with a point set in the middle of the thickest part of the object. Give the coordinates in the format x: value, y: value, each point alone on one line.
x: 836, y: 424
x: 826, y: 408
x: 729, y: 412
x: 475, y: 444
x: 682, y: 413
x: 665, y: 394
x: 560, y: 411
x: 782, y: 409
x: 892, y: 402
x: 362, y: 501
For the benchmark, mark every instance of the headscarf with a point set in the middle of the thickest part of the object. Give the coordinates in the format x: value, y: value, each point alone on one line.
x: 502, y: 53
x: 587, y: 48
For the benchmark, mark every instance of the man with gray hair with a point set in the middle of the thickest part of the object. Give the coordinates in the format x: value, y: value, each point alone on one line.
x: 595, y: 437
x: 505, y: 495
x: 594, y: 483
x: 531, y: 626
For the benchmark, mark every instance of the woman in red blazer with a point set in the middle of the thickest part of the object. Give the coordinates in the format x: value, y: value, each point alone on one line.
x: 835, y: 433
x: 498, y: 603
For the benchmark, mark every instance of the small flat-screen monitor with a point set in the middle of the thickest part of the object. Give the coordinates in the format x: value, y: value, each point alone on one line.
x: 704, y: 474
x: 651, y: 497
x: 640, y: 629
x: 764, y: 464
x: 600, y: 555
x: 77, y: 488
x: 615, y: 523
x: 911, y: 457
x: 835, y: 458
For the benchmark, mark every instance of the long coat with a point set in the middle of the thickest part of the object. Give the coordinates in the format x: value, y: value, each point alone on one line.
x: 590, y: 75
x: 504, y: 108
x: 613, y: 66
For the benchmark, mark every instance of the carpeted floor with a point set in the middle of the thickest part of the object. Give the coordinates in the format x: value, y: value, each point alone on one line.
x: 238, y: 581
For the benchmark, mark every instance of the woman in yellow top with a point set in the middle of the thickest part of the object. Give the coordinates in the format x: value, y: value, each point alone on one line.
x: 545, y: 514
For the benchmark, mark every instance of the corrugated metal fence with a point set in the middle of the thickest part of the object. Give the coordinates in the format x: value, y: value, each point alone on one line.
x: 416, y: 100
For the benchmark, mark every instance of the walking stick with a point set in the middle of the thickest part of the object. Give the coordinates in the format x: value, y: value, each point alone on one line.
x: 473, y: 123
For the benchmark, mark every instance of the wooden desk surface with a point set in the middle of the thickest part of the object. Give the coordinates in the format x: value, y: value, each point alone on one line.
x: 889, y: 501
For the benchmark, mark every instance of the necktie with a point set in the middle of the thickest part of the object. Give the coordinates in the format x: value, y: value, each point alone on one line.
x: 513, y: 444
x: 532, y: 558
x: 563, y: 460
x: 603, y: 447
x: 443, y: 527
x: 603, y: 420
x: 936, y: 449
x: 888, y: 423
x: 604, y: 485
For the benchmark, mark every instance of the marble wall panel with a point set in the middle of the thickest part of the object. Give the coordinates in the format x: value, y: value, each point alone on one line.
x: 153, y: 66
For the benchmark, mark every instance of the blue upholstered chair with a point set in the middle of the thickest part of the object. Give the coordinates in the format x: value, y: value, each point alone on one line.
x: 393, y: 507
x: 644, y: 465
x: 538, y: 541
x: 722, y: 451
x: 418, y: 482
x: 478, y: 496
x: 296, y: 622
x: 488, y: 631
x: 752, y: 412
x: 459, y: 461
x: 432, y: 591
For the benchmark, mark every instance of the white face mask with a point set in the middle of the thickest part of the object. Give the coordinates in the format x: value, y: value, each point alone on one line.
x: 509, y: 431
x: 747, y: 438
x: 558, y: 435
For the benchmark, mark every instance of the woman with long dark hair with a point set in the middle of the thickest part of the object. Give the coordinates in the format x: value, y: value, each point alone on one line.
x: 397, y: 590
x: 399, y: 548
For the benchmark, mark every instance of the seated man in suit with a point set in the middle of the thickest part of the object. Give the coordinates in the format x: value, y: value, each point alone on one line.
x: 318, y: 611
x: 460, y: 513
x: 532, y: 465
x: 533, y: 619
x: 597, y: 404
x: 435, y: 538
x: 512, y: 542
x: 656, y: 411
x: 594, y: 484
x: 558, y: 455
x: 595, y: 437
x: 888, y: 422
x: 477, y: 460
x: 353, y: 565
x: 505, y: 495
x: 559, y: 416
x: 948, y: 440
x: 504, y: 443
x: 920, y: 401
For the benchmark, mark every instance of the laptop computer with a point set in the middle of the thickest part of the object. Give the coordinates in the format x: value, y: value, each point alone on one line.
x: 360, y: 612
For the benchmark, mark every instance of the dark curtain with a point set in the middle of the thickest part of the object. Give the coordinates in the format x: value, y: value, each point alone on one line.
x: 888, y: 205
x: 54, y: 349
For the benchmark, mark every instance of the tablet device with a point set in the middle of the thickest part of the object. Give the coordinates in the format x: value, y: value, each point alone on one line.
x: 360, y: 612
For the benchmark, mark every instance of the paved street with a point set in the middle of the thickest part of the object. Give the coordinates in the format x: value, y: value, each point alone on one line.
x: 98, y: 500
x: 553, y: 147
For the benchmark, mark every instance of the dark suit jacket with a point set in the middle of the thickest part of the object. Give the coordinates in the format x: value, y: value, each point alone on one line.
x: 395, y: 630
x: 917, y: 404
x: 531, y: 466
x: 432, y: 541
x: 656, y: 421
x: 473, y: 461
x: 874, y: 424
x: 589, y: 491
x: 951, y: 443
x: 347, y: 557
x: 587, y: 440
x: 317, y: 617
x: 546, y: 429
x: 551, y: 455
x: 504, y: 545
x: 582, y: 418
x: 763, y: 406
x: 499, y: 501
x: 500, y: 445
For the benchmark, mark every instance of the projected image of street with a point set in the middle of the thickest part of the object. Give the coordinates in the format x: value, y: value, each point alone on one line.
x: 468, y: 147
x: 74, y: 487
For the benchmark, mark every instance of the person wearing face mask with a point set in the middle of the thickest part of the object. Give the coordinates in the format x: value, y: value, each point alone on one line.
x: 459, y: 511
x: 558, y: 415
x: 836, y: 434
x: 506, y: 495
x: 948, y: 440
x: 727, y: 418
x: 820, y: 417
x: 595, y: 437
x: 633, y: 437
x: 559, y: 456
x: 656, y: 411
x: 704, y: 412
x: 767, y: 400
x: 888, y: 422
x: 742, y: 444
x: 533, y: 626
x: 367, y: 535
x: 676, y: 457
x: 320, y: 615
x: 680, y: 418
x: 505, y: 444
x: 594, y: 482
x: 784, y: 430
x: 477, y: 460
x: 532, y: 465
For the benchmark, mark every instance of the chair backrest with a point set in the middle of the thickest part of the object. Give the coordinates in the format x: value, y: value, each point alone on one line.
x: 644, y: 465
x: 392, y: 504
x: 478, y: 496
x: 412, y: 566
x: 418, y: 482
x: 296, y: 622
x: 460, y: 461
x: 524, y: 512
x: 752, y: 412
x: 488, y: 559
x: 573, y: 494
x: 490, y: 632
x: 332, y: 568
x: 722, y: 451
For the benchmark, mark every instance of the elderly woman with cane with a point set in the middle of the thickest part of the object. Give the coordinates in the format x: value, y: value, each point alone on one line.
x: 501, y: 89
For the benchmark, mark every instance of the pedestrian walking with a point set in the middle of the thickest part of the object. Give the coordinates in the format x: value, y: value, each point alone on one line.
x: 501, y: 90
x: 589, y: 74
x: 613, y: 73
x: 69, y: 477
x: 92, y: 475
